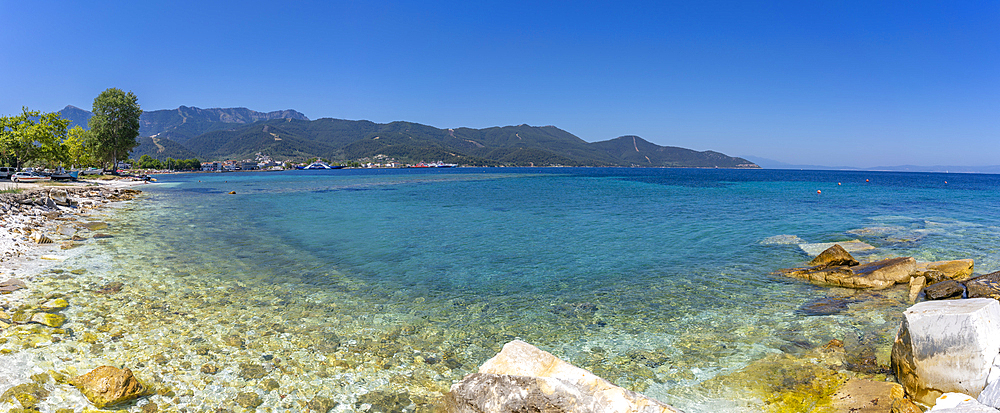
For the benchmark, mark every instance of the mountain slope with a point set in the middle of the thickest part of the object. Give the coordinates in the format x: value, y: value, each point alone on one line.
x: 161, y: 149
x: 241, y: 133
x: 186, y: 122
x: 639, y: 152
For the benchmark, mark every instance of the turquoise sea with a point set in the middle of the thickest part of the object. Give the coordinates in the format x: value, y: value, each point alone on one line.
x: 377, y: 289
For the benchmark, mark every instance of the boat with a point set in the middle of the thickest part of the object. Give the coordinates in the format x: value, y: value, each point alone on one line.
x: 434, y: 165
x: 28, y: 177
x: 322, y: 165
x: 61, y: 173
x: 91, y: 171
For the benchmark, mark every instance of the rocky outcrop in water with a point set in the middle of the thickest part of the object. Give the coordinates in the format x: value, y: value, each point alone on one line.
x: 523, y: 378
x: 835, y: 266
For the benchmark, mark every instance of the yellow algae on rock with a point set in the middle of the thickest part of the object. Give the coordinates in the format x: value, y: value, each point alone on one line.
x: 54, y: 305
x: 49, y: 319
x: 787, y: 383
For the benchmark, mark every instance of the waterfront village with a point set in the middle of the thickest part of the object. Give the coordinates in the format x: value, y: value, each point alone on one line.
x: 266, y: 163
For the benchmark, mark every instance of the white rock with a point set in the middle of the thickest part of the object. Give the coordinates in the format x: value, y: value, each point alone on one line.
x: 959, y: 403
x: 946, y: 346
x: 524, y: 378
x: 991, y: 394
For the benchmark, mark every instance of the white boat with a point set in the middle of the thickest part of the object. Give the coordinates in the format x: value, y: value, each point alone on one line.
x: 322, y: 165
x: 28, y: 177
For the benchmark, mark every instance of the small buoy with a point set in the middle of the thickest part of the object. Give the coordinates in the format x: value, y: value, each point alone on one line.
x: 819, y: 192
x: 866, y: 180
x: 232, y: 192
x: 838, y: 183
x: 945, y: 181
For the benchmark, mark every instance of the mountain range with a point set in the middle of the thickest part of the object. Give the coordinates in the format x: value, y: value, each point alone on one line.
x: 240, y: 133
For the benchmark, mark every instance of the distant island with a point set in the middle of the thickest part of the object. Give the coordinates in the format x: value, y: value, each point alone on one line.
x: 241, y: 133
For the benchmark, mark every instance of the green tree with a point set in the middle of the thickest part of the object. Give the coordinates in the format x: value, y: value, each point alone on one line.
x: 33, y: 136
x: 115, y: 125
x: 79, y: 146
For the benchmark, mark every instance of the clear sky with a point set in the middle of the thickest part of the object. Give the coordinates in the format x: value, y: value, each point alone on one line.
x: 855, y: 83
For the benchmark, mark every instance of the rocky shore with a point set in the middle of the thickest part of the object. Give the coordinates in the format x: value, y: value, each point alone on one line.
x: 36, y: 225
x: 946, y: 354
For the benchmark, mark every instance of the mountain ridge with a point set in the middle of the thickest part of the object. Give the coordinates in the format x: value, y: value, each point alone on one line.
x: 241, y: 133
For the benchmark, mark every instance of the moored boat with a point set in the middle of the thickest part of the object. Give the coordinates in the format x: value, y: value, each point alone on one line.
x: 28, y: 177
x: 322, y: 165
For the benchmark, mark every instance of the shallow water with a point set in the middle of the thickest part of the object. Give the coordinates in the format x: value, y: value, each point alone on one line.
x: 361, y: 286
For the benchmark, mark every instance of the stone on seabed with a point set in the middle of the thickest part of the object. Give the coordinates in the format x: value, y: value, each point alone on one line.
x: 524, y: 378
x: 946, y: 346
x: 51, y: 320
x: 108, y: 386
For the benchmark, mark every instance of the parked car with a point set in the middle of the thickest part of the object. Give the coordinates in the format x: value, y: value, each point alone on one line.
x: 7, y: 171
x: 28, y: 177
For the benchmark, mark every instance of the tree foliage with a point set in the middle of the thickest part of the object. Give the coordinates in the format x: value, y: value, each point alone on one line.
x: 33, y: 136
x: 80, y: 148
x: 115, y: 125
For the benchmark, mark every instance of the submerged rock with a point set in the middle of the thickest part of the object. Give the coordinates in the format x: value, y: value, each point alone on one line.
x: 110, y: 288
x: 94, y: 225
x: 108, y: 386
x: 859, y: 395
x: 824, y: 306
x: 248, y: 400
x: 11, y: 285
x: 946, y: 346
x: 28, y: 395
x: 524, y: 378
x: 49, y: 319
x: 849, y: 246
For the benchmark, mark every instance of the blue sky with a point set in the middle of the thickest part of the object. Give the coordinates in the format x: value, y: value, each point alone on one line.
x: 854, y: 83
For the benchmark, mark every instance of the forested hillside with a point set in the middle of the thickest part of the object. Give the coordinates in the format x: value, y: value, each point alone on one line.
x: 240, y: 133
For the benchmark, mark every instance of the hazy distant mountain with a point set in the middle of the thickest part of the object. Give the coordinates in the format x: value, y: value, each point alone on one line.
x: 185, y: 122
x: 773, y: 164
x: 76, y: 116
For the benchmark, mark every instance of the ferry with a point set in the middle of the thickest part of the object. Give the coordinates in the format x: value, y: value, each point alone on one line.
x: 322, y: 165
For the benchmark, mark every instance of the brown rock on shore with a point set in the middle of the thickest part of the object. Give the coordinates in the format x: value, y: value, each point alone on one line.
x: 108, y: 386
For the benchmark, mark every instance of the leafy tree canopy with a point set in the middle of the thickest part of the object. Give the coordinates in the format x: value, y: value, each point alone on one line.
x: 115, y: 124
x: 33, y: 136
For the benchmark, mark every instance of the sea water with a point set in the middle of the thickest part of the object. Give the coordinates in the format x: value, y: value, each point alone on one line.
x: 373, y: 287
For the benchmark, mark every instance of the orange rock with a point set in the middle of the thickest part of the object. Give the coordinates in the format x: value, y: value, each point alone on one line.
x: 108, y: 386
